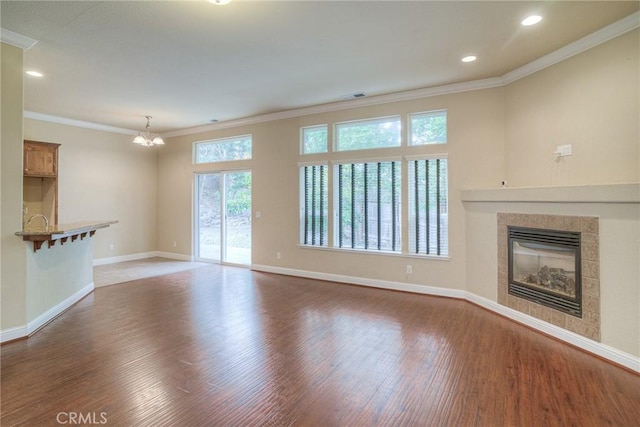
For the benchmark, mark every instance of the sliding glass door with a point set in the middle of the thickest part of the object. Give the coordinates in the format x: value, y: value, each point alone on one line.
x: 223, y: 217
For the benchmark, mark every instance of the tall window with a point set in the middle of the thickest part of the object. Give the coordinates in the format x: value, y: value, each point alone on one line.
x: 368, y: 197
x: 223, y: 150
x: 314, y: 209
x: 428, y: 207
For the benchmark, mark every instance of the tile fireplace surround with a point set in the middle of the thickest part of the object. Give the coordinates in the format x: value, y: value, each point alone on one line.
x: 588, y: 227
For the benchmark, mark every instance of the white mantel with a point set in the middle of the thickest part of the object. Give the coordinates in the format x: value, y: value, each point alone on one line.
x: 608, y: 193
x: 617, y: 207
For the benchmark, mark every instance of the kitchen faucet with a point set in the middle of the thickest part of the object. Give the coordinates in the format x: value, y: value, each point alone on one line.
x: 46, y: 221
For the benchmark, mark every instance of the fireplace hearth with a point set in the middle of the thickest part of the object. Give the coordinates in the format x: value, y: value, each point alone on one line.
x: 544, y: 267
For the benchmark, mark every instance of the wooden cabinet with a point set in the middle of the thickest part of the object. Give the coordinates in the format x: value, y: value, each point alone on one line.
x: 40, y: 181
x: 40, y: 159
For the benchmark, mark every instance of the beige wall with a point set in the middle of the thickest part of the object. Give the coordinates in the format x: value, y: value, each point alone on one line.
x: 475, y: 151
x: 12, y: 261
x: 619, y: 254
x: 103, y: 176
x: 590, y: 101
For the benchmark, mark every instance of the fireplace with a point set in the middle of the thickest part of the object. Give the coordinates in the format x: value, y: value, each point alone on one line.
x: 544, y: 267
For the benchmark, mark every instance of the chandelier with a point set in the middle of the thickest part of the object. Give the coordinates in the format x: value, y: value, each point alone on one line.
x: 145, y: 138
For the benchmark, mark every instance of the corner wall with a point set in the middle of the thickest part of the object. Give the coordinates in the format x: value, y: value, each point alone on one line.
x: 12, y: 262
x: 590, y: 101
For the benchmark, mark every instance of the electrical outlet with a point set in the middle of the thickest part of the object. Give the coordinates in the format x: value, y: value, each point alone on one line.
x: 563, y: 150
x: 111, y: 247
x: 278, y: 255
x: 409, y: 269
x: 175, y: 244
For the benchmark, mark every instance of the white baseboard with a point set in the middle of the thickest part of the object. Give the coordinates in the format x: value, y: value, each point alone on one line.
x: 602, y: 350
x: 171, y: 255
x: 373, y: 283
x: 46, y: 317
x: 141, y: 255
x: 13, y: 334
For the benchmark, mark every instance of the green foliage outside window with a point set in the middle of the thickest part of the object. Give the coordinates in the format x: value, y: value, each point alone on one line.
x: 428, y: 128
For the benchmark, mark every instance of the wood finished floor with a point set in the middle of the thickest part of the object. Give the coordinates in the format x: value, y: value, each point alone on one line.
x: 223, y: 346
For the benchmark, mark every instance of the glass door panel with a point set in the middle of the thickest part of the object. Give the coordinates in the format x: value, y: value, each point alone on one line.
x: 209, y: 219
x: 227, y: 237
x: 237, y: 248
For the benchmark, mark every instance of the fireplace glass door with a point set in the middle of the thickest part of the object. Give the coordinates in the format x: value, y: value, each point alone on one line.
x: 544, y: 267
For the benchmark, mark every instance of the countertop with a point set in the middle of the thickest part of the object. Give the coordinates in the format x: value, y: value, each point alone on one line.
x: 57, y: 231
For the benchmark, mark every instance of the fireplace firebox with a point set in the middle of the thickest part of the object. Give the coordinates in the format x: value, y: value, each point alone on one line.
x: 544, y: 267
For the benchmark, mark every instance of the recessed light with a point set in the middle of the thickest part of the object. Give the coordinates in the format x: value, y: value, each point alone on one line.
x: 34, y: 73
x: 213, y: 121
x: 220, y: 2
x: 531, y: 20
x: 469, y: 58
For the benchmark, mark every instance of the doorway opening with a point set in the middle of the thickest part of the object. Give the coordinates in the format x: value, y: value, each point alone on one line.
x: 222, y: 230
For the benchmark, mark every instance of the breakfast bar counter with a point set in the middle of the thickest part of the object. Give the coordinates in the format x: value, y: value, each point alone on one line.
x: 62, y: 232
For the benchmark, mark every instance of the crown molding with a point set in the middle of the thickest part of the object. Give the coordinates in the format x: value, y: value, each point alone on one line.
x: 344, y: 105
x: 77, y: 123
x: 603, y: 35
x: 17, y: 40
x: 592, y: 40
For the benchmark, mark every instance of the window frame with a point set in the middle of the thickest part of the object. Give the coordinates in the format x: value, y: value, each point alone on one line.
x: 397, y: 215
x: 194, y: 157
x: 408, y: 213
x: 427, y: 113
x: 324, y: 237
x: 374, y: 120
x: 302, y: 140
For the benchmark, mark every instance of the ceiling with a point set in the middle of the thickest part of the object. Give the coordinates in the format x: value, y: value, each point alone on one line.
x: 188, y: 62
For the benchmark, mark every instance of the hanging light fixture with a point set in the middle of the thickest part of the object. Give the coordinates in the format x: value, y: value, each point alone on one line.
x: 145, y: 139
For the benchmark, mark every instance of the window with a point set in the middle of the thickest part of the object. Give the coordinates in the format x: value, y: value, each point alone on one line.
x: 314, y: 139
x: 366, y: 134
x: 223, y: 150
x: 428, y: 128
x: 368, y: 197
x: 314, y: 209
x: 428, y: 207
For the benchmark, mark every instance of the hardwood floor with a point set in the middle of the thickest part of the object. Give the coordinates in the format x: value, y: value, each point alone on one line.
x: 223, y: 346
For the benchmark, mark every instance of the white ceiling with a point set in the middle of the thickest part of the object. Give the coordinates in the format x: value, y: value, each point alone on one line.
x: 187, y: 62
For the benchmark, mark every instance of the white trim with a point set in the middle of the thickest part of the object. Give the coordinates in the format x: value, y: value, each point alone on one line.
x: 372, y: 283
x: 173, y: 255
x: 599, y: 193
x: 17, y: 40
x: 434, y: 156
x: 627, y: 360
x: 13, y: 334
x: 602, y: 350
x: 58, y: 309
x: 347, y: 161
x: 141, y: 255
x: 46, y: 317
x: 123, y: 258
x: 77, y: 123
x: 604, y: 34
x: 590, y: 41
x: 609, y: 32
